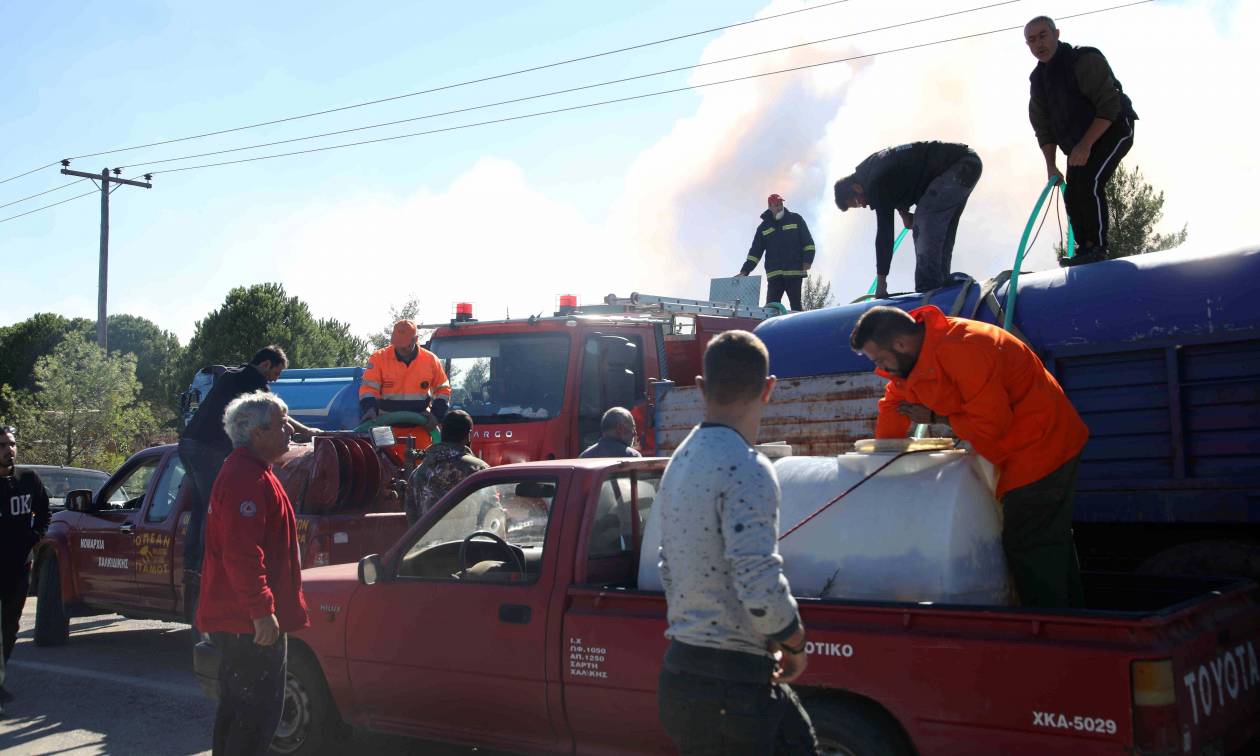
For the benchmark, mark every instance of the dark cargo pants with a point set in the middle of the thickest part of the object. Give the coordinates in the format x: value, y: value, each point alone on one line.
x: 708, y: 716
x: 251, y: 693
x: 936, y: 216
x: 779, y: 285
x: 1037, y: 538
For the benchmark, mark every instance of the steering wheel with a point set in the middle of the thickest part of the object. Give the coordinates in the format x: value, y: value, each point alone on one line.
x: 463, y: 549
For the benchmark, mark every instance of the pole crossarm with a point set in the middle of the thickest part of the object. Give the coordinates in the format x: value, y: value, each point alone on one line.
x: 114, y: 179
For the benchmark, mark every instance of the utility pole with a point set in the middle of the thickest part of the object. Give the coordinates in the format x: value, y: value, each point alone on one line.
x: 102, y: 335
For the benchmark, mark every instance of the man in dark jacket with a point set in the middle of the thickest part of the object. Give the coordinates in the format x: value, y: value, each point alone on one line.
x: 24, y: 517
x: 617, y: 433
x: 1077, y: 105
x: 252, y: 588
x: 445, y: 465
x: 935, y: 177
x: 784, y: 239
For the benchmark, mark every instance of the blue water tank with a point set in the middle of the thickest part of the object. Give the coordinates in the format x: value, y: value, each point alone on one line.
x: 1160, y: 295
x: 324, y: 398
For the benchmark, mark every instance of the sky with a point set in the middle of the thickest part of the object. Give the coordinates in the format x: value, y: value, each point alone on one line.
x: 656, y: 195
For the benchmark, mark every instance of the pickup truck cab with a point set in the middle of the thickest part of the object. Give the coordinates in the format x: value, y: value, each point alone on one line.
x: 509, y: 617
x: 121, y: 550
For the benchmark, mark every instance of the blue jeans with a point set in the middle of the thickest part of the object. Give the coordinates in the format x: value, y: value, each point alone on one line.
x: 710, y: 716
x: 936, y: 216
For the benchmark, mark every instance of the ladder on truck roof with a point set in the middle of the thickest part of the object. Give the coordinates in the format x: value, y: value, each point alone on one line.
x: 637, y: 302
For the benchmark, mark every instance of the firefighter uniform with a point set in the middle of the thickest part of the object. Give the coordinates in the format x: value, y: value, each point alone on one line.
x: 391, y: 385
x: 788, y: 249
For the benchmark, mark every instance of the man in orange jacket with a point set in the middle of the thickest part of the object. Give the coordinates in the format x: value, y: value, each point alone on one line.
x: 404, y: 377
x: 995, y: 393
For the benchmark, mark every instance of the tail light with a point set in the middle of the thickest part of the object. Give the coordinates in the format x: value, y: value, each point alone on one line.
x: 1155, y: 707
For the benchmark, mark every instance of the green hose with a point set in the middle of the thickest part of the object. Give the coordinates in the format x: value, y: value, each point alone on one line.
x: 1013, y: 286
x: 422, y: 419
x: 897, y: 243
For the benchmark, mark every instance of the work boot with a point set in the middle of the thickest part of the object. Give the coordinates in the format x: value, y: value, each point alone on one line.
x: 1084, y: 256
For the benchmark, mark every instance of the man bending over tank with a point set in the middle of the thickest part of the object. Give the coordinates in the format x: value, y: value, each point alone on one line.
x: 994, y: 392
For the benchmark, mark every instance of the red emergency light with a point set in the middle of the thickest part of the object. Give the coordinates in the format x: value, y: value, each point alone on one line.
x: 568, y: 303
x: 463, y: 312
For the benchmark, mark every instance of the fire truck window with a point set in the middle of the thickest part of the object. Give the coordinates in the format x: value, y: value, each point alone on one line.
x: 612, y: 376
x: 507, y: 378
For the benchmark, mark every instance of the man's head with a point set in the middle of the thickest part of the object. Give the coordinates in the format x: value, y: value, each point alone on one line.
x: 849, y: 193
x: 257, y: 421
x: 8, y: 449
x: 618, y: 424
x: 457, y: 427
x: 890, y: 338
x: 270, y: 361
x: 775, y: 203
x: 1042, y: 38
x: 405, y: 338
x: 736, y: 371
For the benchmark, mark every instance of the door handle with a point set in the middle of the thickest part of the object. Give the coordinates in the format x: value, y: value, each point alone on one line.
x: 516, y: 614
x: 127, y: 528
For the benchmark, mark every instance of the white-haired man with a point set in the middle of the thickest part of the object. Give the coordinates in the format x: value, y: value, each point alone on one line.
x: 251, y: 590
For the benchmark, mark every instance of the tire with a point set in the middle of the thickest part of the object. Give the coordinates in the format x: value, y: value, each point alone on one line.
x: 855, y: 727
x: 310, y: 723
x: 1206, y: 559
x: 52, y: 625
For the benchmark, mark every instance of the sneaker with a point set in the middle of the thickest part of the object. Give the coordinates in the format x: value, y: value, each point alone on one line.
x: 5, y: 696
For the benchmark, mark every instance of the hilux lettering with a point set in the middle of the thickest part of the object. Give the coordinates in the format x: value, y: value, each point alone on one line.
x: 1232, y: 672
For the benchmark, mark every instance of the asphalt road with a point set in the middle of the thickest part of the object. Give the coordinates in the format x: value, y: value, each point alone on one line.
x: 125, y: 687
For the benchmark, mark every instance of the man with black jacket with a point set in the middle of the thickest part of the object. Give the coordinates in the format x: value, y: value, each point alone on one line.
x: 784, y: 239
x: 1077, y: 105
x: 24, y: 518
x: 936, y: 178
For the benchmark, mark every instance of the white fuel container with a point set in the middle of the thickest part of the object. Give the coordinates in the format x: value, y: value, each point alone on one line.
x: 925, y: 528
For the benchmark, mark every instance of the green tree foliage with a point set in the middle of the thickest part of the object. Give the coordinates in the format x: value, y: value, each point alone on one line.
x: 816, y: 293
x: 409, y: 311
x: 262, y: 314
x: 22, y: 344
x: 157, y: 354
x: 85, y: 410
x: 1135, y: 209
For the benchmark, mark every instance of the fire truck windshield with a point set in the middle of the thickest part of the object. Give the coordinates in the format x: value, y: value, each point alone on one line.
x: 506, y: 379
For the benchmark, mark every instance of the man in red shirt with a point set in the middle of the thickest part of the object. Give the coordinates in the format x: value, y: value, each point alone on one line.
x: 995, y: 393
x: 251, y: 586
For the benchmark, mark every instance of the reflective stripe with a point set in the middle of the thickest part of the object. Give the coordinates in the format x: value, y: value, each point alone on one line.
x: 768, y: 231
x: 403, y: 397
x: 372, y: 384
x: 776, y: 273
x: 809, y: 247
x: 752, y: 259
x: 789, y: 227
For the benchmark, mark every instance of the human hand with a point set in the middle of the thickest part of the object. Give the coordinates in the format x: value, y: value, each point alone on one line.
x: 916, y: 412
x: 807, y: 266
x: 907, y: 218
x: 266, y: 630
x: 741, y: 274
x: 370, y: 414
x: 1053, y: 172
x: 1079, y: 156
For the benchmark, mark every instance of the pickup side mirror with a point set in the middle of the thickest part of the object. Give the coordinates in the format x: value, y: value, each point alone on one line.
x: 370, y: 569
x: 79, y: 500
x: 532, y: 489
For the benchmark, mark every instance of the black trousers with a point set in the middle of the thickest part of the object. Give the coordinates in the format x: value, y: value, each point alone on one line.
x: 709, y: 716
x: 13, y: 589
x: 1037, y: 538
x: 202, y: 463
x: 775, y: 288
x: 251, y: 693
x: 1086, y: 196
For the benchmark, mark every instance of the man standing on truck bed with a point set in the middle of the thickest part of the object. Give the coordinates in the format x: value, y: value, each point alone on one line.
x: 252, y: 590
x: 995, y: 393
x: 204, y: 445
x: 730, y: 607
x: 617, y: 436
x: 445, y: 464
x: 784, y: 239
x: 1077, y: 105
x: 24, y: 518
x: 935, y: 177
x: 404, y: 377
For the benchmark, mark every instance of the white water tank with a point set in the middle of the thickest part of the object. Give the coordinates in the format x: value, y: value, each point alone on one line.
x: 926, y: 528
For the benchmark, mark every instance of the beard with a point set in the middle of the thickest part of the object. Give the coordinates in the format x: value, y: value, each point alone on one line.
x: 905, y: 363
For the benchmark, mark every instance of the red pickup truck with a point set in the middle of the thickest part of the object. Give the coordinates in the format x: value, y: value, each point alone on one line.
x: 122, y: 550
x: 509, y: 617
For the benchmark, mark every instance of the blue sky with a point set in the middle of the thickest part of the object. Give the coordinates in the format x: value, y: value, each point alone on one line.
x: 655, y: 195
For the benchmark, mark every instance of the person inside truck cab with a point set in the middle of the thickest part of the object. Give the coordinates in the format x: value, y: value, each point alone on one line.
x: 617, y: 437
x: 994, y: 393
x: 404, y: 377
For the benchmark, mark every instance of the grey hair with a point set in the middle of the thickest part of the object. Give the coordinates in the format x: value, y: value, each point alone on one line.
x: 615, y: 419
x: 250, y: 411
x: 1043, y: 20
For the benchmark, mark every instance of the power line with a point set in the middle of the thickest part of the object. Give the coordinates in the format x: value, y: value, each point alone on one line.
x: 45, y: 207
x: 444, y: 87
x: 570, y: 90
x: 40, y: 194
x: 631, y: 98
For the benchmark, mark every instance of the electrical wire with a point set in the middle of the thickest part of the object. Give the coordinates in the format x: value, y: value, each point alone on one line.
x: 45, y: 207
x: 46, y: 191
x: 631, y: 98
x: 444, y: 87
x: 574, y: 89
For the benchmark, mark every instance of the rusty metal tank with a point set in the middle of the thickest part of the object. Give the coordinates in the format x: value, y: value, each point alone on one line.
x: 340, y: 472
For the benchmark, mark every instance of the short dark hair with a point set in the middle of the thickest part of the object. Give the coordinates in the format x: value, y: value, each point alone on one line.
x: 845, y: 191
x: 270, y: 353
x: 1042, y: 20
x: 456, y: 426
x: 615, y: 419
x: 881, y: 324
x: 8, y: 429
x: 736, y: 364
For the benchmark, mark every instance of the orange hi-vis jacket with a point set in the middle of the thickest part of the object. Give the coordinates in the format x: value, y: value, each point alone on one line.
x: 996, y: 394
x: 399, y: 387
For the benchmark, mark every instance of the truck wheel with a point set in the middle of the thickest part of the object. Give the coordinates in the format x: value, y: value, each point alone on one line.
x: 1206, y: 559
x: 856, y: 728
x: 310, y: 722
x: 52, y: 626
